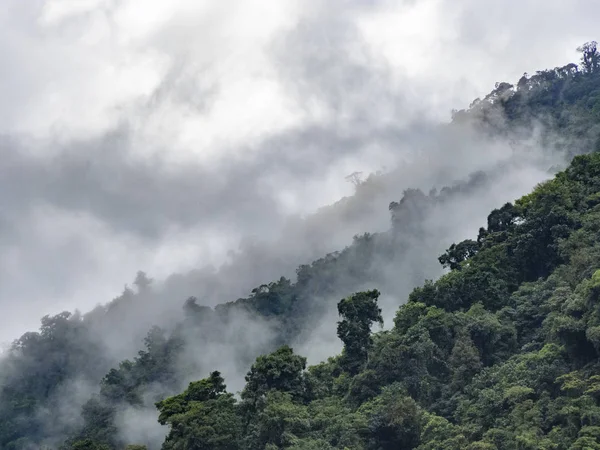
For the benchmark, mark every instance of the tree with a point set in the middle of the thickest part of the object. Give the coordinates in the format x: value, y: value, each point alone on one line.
x: 279, y: 424
x: 358, y: 313
x: 142, y: 282
x: 280, y: 371
x: 590, y: 58
x: 89, y: 444
x: 355, y: 178
x: 458, y: 253
x: 502, y: 219
x: 198, y: 391
x: 203, y: 417
x: 464, y: 361
x: 394, y: 420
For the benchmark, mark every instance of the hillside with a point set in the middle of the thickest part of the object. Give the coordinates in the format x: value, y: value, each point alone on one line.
x: 500, y: 352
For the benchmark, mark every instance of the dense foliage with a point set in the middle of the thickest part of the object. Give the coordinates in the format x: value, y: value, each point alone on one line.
x: 499, y: 353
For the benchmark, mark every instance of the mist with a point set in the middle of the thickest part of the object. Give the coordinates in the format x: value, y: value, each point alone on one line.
x: 461, y: 197
x: 209, y: 147
x: 130, y: 142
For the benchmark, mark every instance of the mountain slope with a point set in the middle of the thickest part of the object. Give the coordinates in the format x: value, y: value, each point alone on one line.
x: 500, y: 353
x: 479, y: 316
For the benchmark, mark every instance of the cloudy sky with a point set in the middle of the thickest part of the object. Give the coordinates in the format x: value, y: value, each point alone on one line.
x: 144, y: 134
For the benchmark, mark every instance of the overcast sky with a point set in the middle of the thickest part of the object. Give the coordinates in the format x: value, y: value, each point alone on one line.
x: 153, y: 135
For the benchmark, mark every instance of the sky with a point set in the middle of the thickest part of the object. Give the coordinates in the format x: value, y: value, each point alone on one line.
x: 156, y: 136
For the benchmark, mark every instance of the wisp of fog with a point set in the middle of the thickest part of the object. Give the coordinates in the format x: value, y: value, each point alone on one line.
x: 210, y: 146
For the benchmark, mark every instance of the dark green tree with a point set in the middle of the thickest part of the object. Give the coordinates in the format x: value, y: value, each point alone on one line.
x: 203, y: 417
x: 394, y: 420
x: 358, y: 313
x: 457, y: 253
x: 464, y: 360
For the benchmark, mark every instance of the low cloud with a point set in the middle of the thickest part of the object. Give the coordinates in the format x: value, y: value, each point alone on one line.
x: 209, y: 144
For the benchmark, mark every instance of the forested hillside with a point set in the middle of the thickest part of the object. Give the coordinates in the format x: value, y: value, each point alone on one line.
x: 501, y: 352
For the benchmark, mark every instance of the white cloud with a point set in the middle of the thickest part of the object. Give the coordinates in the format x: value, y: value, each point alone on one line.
x: 225, y: 118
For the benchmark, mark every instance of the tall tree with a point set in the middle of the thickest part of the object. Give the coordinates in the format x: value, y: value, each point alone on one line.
x: 590, y: 58
x: 358, y: 313
x: 201, y: 418
x: 281, y: 370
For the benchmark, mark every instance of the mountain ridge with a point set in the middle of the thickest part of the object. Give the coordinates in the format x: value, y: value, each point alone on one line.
x: 280, y: 311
